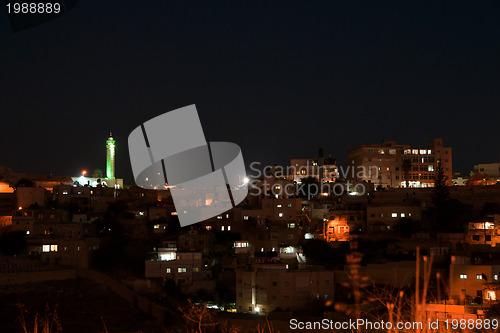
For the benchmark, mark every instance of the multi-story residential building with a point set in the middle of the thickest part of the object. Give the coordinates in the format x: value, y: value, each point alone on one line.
x: 391, y: 165
x: 467, y: 280
x: 270, y: 286
x: 69, y: 251
x: 281, y: 209
x: 484, y: 232
x: 355, y: 218
x: 183, y: 267
x: 37, y: 221
x: 27, y: 196
x: 490, y: 169
x: 336, y: 229
x: 321, y: 167
x: 385, y: 217
x: 272, y: 239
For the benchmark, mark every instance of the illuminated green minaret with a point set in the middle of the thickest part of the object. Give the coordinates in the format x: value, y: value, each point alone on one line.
x: 110, y: 157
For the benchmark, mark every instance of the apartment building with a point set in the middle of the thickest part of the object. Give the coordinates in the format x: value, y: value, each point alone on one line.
x: 336, y: 229
x: 484, y: 232
x: 74, y: 252
x: 490, y: 169
x: 391, y: 165
x: 385, y: 217
x: 270, y: 286
x: 320, y: 168
x: 467, y: 280
x: 182, y: 267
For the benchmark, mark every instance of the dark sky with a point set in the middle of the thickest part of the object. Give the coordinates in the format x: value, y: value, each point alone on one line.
x: 281, y: 79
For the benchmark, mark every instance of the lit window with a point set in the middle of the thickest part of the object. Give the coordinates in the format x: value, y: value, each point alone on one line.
x: 219, y: 217
x: 46, y: 248
x: 291, y: 225
x: 222, y: 228
x: 245, y: 217
x: 53, y: 248
x: 279, y: 206
x: 495, y: 277
x: 65, y: 192
x: 181, y: 270
x: 228, y: 228
x: 290, y: 204
x: 208, y: 227
x: 196, y: 269
x: 463, y: 276
x: 394, y: 214
x: 430, y: 168
x: 156, y: 226
x: 280, y: 214
x: 479, y: 276
x: 402, y: 215
x: 491, y: 295
x: 27, y: 232
x: 169, y: 271
x: 173, y: 213
x: 167, y: 256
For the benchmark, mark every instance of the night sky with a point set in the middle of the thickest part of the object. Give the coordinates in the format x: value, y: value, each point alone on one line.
x: 281, y: 79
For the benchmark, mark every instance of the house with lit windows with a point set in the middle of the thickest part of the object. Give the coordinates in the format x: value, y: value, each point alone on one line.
x: 486, y: 231
x: 467, y: 280
x: 266, y: 287
x: 391, y: 165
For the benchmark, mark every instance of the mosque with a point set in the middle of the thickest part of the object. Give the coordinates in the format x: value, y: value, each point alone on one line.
x: 97, y: 177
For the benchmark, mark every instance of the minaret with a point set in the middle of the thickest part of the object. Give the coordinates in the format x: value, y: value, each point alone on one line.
x: 110, y: 157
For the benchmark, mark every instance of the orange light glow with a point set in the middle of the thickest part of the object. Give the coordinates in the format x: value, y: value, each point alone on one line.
x: 84, y: 172
x: 20, y: 208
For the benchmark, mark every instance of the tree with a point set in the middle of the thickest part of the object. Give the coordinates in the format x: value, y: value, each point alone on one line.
x: 321, y: 253
x: 406, y: 167
x: 440, y: 196
x: 309, y: 187
x: 441, y: 192
x: 13, y: 243
x: 478, y: 178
